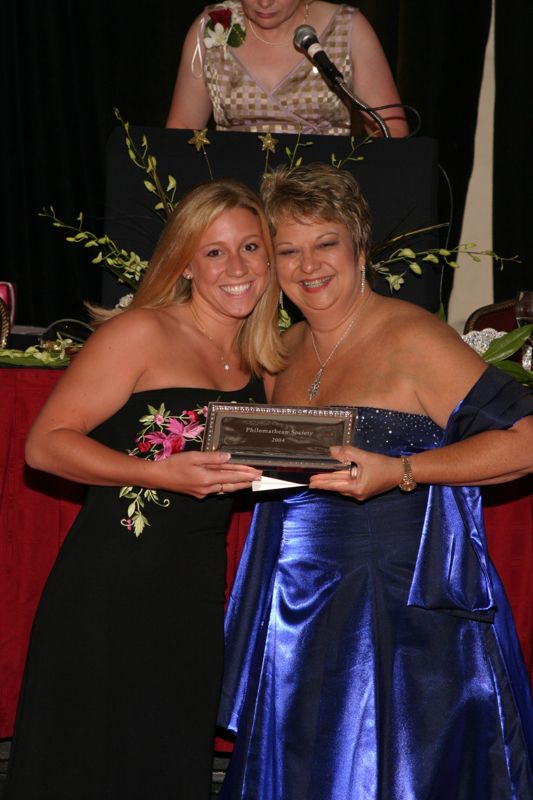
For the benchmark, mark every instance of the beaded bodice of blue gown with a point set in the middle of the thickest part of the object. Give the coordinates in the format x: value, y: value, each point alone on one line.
x: 338, y: 686
x: 123, y: 674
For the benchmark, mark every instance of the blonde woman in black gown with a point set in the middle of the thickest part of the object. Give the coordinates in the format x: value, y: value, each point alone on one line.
x: 122, y: 679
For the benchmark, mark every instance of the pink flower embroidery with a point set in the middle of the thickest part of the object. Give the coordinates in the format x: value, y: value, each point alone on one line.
x: 193, y: 431
x: 162, y: 435
x: 175, y: 425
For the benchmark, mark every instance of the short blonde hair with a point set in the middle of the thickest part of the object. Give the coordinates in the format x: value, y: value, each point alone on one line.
x: 318, y: 192
x: 164, y: 283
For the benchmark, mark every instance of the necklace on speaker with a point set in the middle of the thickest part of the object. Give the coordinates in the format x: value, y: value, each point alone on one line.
x: 314, y: 388
x: 276, y: 44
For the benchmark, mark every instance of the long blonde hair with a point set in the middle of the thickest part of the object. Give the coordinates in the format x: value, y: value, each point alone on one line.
x: 163, y: 282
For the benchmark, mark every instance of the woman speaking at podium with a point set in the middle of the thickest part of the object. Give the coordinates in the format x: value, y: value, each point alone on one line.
x: 241, y: 65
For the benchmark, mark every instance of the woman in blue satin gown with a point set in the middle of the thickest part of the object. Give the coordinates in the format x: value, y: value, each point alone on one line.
x: 371, y: 653
x: 122, y: 681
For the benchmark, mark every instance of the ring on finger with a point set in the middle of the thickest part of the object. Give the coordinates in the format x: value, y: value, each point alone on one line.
x: 353, y: 471
x: 221, y: 490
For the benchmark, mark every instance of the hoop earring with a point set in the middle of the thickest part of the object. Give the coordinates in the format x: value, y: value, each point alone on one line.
x: 363, y: 277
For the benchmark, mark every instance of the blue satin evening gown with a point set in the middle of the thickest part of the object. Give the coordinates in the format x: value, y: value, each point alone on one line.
x: 371, y: 653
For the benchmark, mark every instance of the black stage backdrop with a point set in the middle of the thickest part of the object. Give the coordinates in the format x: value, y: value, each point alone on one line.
x: 65, y: 65
x: 513, y: 149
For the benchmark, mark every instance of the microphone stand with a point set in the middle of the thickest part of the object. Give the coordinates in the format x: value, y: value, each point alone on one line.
x: 306, y: 40
x: 334, y: 78
x: 360, y: 106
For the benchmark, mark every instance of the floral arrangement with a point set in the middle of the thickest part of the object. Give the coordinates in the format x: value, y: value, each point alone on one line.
x: 497, y: 348
x: 161, y: 436
x: 52, y: 354
x: 129, y: 268
x: 225, y: 26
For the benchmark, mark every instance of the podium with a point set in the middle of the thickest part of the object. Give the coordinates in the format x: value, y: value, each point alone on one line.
x: 399, y: 178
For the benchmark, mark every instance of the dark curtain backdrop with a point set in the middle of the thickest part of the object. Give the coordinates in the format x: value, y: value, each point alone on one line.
x: 436, y: 51
x: 67, y: 64
x: 513, y: 148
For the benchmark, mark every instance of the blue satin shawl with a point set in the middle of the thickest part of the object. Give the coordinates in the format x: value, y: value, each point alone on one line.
x: 452, y: 571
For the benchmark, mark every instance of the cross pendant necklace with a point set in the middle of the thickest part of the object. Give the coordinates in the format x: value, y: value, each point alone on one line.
x: 314, y: 388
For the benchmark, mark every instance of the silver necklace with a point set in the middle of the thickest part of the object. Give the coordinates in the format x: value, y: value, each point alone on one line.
x: 276, y: 44
x: 225, y: 363
x: 314, y: 388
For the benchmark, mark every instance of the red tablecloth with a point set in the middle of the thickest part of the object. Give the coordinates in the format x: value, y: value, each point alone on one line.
x: 508, y: 511
x: 36, y: 511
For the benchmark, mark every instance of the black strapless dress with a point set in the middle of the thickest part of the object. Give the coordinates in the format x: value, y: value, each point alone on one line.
x: 123, y: 674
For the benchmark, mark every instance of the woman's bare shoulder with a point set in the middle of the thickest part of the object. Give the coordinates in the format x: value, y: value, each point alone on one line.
x: 417, y: 333
x: 405, y: 312
x: 293, y: 337
x: 135, y: 321
x: 322, y: 13
x: 133, y: 329
x: 394, y: 307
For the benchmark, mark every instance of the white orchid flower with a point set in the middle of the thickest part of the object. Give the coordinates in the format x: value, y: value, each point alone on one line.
x: 216, y: 37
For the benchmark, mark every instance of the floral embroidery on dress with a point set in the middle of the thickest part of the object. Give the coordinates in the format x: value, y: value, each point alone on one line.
x: 225, y: 25
x: 161, y: 436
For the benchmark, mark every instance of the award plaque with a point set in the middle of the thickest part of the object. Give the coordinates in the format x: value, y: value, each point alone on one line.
x: 280, y: 437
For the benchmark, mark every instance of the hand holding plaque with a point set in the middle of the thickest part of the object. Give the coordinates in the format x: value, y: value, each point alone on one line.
x: 279, y: 437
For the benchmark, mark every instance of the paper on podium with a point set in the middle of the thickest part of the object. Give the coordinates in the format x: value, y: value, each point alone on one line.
x: 266, y: 483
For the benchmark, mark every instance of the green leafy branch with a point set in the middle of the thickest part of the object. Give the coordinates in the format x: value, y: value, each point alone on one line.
x: 126, y: 265
x: 148, y: 164
x: 135, y: 520
x: 500, y: 350
x: 434, y: 255
x: 354, y: 146
x: 295, y: 160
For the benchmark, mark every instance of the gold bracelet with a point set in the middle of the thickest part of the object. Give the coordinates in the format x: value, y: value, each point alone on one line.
x: 407, y: 483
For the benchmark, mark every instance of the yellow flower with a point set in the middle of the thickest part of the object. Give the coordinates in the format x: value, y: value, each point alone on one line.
x: 199, y: 139
x: 269, y: 143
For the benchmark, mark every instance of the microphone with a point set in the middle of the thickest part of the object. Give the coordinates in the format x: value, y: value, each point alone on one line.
x: 305, y: 38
